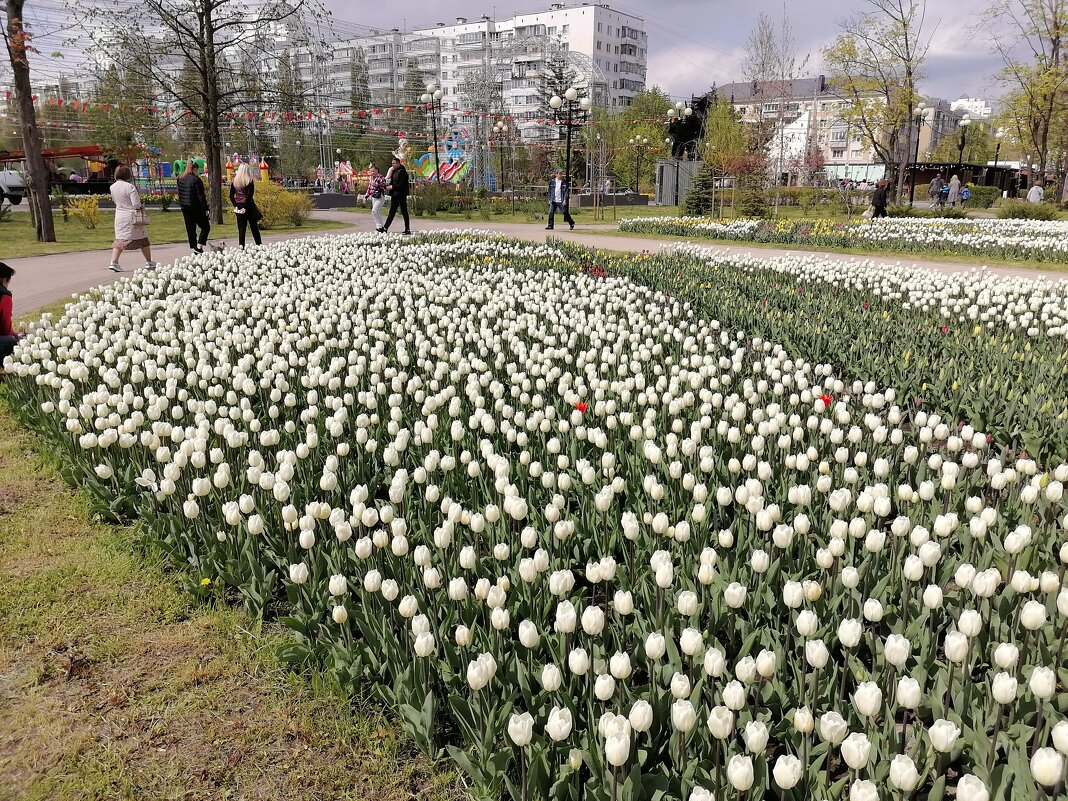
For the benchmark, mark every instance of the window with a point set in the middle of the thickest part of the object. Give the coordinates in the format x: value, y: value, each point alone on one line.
x: 838, y: 136
x: 855, y: 152
x: 837, y: 153
x: 444, y: 75
x: 552, y: 30
x: 598, y: 45
x: 599, y: 24
x: 617, y: 50
x: 770, y: 107
x: 822, y: 123
x: 565, y: 29
x: 793, y: 106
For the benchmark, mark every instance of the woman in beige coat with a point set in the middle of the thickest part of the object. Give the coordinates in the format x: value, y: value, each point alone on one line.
x: 131, y: 221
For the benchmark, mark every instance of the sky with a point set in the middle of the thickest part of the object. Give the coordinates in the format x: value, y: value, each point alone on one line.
x: 693, y: 43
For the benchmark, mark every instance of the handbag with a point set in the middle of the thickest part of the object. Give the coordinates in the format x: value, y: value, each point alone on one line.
x: 869, y: 212
x: 140, y: 217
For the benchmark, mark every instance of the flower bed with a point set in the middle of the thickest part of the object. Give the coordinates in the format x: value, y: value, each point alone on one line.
x: 582, y: 538
x: 1032, y: 240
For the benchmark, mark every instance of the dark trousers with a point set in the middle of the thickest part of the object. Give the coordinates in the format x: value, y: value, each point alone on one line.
x: 880, y: 211
x: 196, y: 218
x: 562, y: 207
x: 394, y: 204
x: 7, y: 347
x: 244, y: 222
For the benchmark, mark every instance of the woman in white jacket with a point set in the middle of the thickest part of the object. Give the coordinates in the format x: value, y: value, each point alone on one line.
x: 131, y: 221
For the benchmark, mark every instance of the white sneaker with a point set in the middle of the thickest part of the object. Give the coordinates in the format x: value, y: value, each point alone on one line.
x: 151, y: 265
x: 114, y: 268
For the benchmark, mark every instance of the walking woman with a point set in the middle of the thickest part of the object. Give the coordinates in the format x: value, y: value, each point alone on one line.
x: 194, y: 204
x: 954, y: 192
x: 131, y: 221
x: 243, y: 198
x: 376, y: 190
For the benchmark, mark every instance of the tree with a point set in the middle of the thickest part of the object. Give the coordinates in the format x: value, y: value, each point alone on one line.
x: 359, y: 81
x: 216, y: 40
x: 1030, y: 36
x: 555, y: 79
x: 772, y: 64
x: 978, y: 146
x: 17, y: 40
x: 877, y: 61
x: 120, y: 115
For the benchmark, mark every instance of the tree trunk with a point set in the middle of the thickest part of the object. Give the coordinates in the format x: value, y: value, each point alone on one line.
x: 36, y: 169
x: 212, y: 135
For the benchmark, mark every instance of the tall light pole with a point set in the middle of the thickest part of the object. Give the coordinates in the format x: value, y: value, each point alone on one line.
x: 916, y: 154
x: 571, y: 98
x: 432, y: 100
x: 639, y: 143
x: 677, y: 113
x: 965, y: 121
x: 501, y: 130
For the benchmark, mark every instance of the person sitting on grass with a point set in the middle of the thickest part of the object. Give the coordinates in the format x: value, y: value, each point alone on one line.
x: 8, y: 335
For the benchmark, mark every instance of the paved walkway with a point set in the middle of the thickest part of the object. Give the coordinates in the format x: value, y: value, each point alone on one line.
x: 42, y: 280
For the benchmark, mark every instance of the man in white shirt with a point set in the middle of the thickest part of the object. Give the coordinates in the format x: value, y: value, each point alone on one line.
x: 1035, y: 193
x: 559, y: 196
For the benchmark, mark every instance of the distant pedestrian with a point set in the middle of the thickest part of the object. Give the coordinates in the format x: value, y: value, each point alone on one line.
x: 243, y: 198
x: 935, y: 190
x: 193, y: 201
x: 559, y: 197
x: 399, y: 189
x: 8, y: 335
x: 879, y: 200
x: 131, y: 220
x: 954, y: 192
x: 1036, y: 193
x: 376, y: 191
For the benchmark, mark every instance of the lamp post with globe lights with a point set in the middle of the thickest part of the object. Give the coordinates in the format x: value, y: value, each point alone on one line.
x: 677, y: 113
x: 965, y: 121
x: 571, y: 99
x: 920, y: 112
x: 432, y: 100
x: 639, y: 143
x: 500, y: 130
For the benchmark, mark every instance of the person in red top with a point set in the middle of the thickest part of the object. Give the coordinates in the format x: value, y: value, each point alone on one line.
x: 8, y: 335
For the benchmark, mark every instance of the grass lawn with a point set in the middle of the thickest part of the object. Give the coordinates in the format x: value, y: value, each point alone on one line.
x: 17, y: 239
x: 118, y: 685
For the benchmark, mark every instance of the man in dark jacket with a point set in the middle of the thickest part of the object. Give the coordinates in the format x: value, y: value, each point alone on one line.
x: 878, y: 200
x: 193, y: 202
x: 559, y: 197
x: 399, y: 189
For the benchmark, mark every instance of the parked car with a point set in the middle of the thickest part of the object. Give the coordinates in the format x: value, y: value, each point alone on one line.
x: 12, y: 187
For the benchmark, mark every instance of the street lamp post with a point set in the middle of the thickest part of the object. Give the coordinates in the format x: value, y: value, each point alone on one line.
x: 999, y: 134
x: 572, y: 99
x: 916, y: 153
x: 501, y: 130
x: 965, y: 121
x: 432, y: 100
x: 680, y: 111
x: 639, y: 143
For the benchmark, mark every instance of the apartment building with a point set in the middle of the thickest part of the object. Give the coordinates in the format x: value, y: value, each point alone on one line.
x: 808, y: 114
x: 975, y: 107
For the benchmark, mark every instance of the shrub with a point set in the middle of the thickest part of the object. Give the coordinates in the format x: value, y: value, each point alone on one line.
x: 166, y: 200
x: 280, y: 206
x: 950, y: 213
x: 60, y: 198
x: 983, y: 197
x: 1022, y: 210
x: 85, y: 209
x: 300, y: 208
x: 906, y: 211
x: 5, y: 212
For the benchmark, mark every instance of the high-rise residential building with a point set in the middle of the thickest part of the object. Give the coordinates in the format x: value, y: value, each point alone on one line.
x: 976, y: 108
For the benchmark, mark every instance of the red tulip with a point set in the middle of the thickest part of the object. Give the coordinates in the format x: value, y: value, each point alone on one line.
x: 582, y: 406
x: 826, y: 399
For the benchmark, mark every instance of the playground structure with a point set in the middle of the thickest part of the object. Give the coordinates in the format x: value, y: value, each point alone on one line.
x: 454, y: 153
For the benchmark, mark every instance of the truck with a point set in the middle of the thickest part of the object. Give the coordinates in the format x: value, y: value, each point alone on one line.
x: 12, y: 187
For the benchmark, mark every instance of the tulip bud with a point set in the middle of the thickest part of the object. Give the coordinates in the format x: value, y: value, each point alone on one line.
x: 641, y: 716
x: 740, y: 772
x: 1047, y: 767
x: 721, y: 722
x: 856, y: 748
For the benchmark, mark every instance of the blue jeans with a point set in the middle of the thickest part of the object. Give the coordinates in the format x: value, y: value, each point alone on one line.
x: 562, y: 207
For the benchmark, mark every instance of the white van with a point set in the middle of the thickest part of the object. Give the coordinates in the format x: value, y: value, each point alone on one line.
x: 12, y: 187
